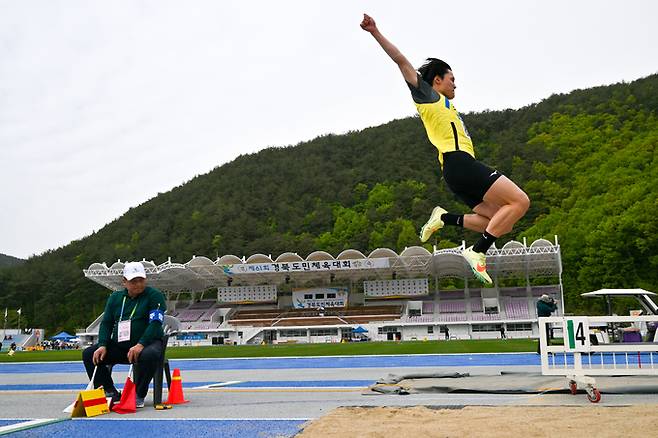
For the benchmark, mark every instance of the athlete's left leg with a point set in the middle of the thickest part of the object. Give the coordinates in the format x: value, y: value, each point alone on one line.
x: 514, y: 204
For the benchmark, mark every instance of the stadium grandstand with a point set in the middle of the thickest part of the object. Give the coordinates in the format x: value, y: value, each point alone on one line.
x: 414, y: 295
x: 23, y: 338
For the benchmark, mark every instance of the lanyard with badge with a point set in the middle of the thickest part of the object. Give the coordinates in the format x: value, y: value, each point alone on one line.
x: 123, y: 331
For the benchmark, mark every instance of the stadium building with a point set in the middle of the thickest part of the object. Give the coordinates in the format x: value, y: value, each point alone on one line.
x: 414, y: 295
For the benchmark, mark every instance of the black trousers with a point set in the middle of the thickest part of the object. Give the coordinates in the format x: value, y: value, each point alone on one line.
x: 143, y: 370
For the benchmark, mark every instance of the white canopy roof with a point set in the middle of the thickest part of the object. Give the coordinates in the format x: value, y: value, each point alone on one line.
x: 643, y: 296
x: 617, y: 292
x: 539, y: 259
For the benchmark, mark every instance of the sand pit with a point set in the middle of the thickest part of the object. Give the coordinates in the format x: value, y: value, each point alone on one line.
x: 482, y: 421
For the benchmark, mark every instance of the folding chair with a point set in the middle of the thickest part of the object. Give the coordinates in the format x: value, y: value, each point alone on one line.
x: 171, y: 325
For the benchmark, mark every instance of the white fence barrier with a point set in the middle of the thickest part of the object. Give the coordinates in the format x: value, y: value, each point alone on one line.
x: 598, y: 346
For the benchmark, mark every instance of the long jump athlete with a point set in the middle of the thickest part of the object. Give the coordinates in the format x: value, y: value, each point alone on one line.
x: 497, y: 203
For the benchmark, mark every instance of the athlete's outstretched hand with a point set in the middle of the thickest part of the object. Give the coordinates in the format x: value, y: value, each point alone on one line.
x: 368, y: 24
x: 410, y: 75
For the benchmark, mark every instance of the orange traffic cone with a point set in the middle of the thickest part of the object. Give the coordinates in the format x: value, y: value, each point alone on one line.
x: 176, y: 396
x: 128, y: 402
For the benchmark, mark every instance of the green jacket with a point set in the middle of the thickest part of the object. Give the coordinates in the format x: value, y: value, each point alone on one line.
x: 545, y: 309
x: 141, y: 331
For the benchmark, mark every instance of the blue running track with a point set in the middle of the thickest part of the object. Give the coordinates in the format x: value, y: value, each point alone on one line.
x: 429, y: 360
x: 167, y: 428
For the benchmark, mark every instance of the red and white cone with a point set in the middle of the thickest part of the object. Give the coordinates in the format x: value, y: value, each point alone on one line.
x: 176, y: 396
x: 128, y: 402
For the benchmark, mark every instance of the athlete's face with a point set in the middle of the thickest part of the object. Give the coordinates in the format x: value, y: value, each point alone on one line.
x: 445, y: 86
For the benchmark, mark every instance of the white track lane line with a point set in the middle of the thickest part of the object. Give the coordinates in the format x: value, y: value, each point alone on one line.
x: 28, y: 425
x: 218, y: 385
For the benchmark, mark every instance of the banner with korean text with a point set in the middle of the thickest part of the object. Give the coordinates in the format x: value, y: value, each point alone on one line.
x: 319, y: 297
x: 319, y: 266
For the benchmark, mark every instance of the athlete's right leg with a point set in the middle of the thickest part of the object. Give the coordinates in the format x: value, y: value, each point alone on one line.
x: 477, y: 221
x: 434, y: 223
x: 458, y: 169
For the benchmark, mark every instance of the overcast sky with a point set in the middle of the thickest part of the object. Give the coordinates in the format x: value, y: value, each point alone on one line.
x: 104, y: 104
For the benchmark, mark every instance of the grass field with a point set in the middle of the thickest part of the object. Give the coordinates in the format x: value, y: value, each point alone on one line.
x: 348, y: 349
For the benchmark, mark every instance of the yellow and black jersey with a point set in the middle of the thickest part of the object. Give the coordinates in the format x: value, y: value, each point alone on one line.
x: 444, y: 126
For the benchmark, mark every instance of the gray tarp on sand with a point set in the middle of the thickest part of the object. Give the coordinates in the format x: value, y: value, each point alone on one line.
x: 505, y: 383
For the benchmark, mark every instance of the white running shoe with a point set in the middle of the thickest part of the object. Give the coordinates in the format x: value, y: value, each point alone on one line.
x: 433, y: 224
x: 478, y: 263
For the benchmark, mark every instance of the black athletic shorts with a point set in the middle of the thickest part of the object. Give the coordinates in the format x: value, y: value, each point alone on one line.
x: 468, y: 178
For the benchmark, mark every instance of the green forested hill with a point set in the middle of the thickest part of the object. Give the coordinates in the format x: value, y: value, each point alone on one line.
x: 587, y: 160
x: 7, y: 260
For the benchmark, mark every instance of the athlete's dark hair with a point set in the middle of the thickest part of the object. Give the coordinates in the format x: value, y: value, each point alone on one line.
x: 433, y: 67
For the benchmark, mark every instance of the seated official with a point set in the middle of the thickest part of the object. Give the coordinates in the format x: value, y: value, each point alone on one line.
x: 546, y: 305
x: 130, y: 332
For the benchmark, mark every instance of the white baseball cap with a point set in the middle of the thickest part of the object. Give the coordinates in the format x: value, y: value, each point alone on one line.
x: 133, y: 269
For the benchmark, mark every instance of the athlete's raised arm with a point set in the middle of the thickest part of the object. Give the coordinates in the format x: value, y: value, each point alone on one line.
x: 408, y: 71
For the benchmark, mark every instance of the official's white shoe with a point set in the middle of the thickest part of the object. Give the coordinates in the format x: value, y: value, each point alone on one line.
x: 139, y: 402
x: 478, y: 263
x: 433, y: 224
